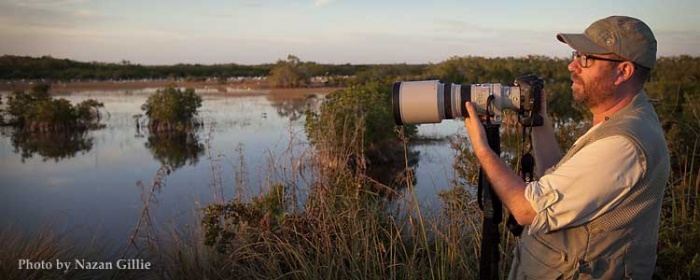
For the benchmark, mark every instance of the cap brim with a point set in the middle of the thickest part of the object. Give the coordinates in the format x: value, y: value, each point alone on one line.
x: 581, y: 43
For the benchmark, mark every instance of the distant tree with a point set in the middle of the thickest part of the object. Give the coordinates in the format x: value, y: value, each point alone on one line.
x: 389, y: 73
x: 20, y: 67
x: 289, y: 74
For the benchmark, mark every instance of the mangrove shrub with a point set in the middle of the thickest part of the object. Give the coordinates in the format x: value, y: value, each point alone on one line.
x: 355, y: 127
x: 357, y: 116
x: 38, y: 111
x: 172, y: 109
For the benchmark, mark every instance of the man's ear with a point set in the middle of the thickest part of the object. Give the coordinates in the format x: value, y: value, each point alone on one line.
x: 625, y: 71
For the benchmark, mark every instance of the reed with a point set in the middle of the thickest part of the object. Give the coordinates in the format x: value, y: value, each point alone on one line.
x: 47, y: 246
x: 679, y: 234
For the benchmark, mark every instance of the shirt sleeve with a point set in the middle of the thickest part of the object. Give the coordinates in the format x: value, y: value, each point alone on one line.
x: 590, y: 183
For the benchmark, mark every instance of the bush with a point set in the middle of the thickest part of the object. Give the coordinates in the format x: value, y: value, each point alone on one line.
x: 355, y: 117
x: 291, y: 73
x: 37, y: 111
x: 355, y: 128
x: 227, y: 224
x: 172, y: 109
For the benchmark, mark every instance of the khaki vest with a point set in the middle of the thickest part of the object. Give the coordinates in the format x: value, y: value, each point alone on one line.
x: 622, y: 242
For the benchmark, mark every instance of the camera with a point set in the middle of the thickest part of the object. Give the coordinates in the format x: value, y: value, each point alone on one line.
x: 417, y: 102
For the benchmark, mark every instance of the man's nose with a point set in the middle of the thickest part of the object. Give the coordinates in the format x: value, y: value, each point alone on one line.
x: 573, y: 66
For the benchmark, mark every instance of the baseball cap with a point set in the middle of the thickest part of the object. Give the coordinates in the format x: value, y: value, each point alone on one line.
x: 627, y: 37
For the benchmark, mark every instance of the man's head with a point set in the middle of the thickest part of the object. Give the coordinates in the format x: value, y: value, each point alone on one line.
x: 613, y: 54
x: 626, y: 37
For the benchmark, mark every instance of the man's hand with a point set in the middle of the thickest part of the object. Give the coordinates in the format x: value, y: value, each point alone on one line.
x: 546, y: 148
x: 475, y: 130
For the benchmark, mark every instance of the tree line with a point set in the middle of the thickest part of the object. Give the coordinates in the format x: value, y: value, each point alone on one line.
x: 49, y: 68
x: 467, y: 69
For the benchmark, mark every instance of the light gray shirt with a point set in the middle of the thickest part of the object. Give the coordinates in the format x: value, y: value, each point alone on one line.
x: 596, y: 179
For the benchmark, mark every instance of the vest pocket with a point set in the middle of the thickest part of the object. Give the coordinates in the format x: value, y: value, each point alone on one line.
x: 603, y: 268
x: 543, y: 263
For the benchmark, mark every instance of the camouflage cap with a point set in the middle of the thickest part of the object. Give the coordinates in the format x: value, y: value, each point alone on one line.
x: 627, y: 37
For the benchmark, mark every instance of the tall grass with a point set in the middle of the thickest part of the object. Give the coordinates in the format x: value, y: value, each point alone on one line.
x: 348, y: 227
x: 47, y: 245
x: 679, y: 235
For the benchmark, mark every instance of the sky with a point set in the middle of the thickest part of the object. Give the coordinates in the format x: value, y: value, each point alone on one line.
x: 165, y: 32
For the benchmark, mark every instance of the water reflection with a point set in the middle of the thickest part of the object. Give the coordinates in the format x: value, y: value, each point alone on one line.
x: 55, y: 145
x: 92, y: 182
x: 176, y: 148
x: 391, y: 166
x: 294, y: 108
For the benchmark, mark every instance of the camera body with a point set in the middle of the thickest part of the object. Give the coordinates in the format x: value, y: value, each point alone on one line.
x: 417, y: 102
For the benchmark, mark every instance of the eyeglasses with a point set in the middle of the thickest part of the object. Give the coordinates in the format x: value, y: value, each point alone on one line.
x: 584, y: 60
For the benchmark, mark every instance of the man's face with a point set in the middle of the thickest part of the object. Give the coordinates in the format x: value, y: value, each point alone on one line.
x: 594, y: 84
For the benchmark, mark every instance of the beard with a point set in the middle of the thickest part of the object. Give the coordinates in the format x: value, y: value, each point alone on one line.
x: 592, y: 93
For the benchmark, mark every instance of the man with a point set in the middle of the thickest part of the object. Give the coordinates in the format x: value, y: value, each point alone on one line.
x: 594, y: 212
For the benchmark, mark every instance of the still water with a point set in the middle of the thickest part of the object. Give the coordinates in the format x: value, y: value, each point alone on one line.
x: 87, y: 185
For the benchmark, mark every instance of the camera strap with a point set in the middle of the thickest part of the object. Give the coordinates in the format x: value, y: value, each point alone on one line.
x: 492, y: 208
x: 526, y: 169
x: 527, y: 161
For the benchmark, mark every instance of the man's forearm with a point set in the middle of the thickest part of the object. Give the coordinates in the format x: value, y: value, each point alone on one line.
x: 545, y: 146
x: 508, y: 186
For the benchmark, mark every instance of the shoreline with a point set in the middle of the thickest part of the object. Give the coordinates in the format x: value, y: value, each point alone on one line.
x: 237, y: 88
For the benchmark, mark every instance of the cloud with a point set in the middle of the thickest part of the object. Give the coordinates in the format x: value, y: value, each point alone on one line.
x: 46, y: 13
x: 84, y: 13
x: 322, y: 3
x: 44, y: 4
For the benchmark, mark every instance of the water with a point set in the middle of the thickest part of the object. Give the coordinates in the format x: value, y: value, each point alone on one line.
x: 88, y: 186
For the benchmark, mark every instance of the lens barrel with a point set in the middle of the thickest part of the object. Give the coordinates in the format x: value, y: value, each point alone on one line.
x: 428, y: 101
x: 417, y: 102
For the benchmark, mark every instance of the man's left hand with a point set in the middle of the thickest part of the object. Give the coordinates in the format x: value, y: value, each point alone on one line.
x: 475, y: 130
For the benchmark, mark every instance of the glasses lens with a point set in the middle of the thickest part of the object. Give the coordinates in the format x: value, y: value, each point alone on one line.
x: 581, y: 58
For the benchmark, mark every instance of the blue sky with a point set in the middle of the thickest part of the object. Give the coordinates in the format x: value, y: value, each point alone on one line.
x: 324, y: 31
